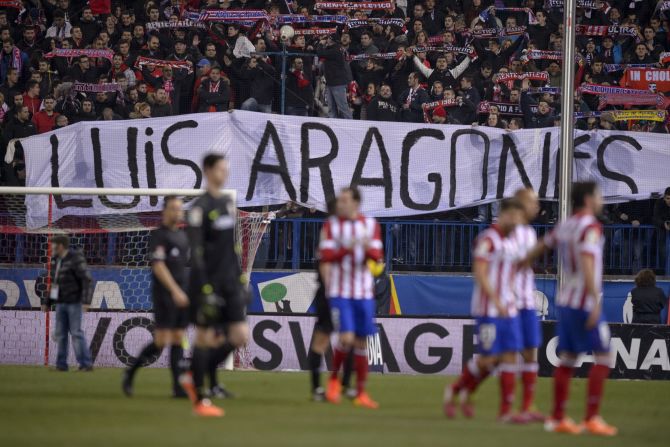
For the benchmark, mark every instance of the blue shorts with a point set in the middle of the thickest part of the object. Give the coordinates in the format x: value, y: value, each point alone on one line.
x: 531, y: 334
x: 573, y: 337
x: 498, y: 335
x: 357, y: 316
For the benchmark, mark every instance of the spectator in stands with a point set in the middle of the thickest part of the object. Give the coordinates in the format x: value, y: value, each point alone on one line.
x: 118, y: 67
x: 10, y: 87
x: 161, y: 106
x: 71, y: 291
x: 648, y: 300
x: 61, y: 121
x: 412, y: 100
x: 299, y: 92
x: 28, y: 43
x: 214, y: 92
x: 542, y: 118
x: 89, y: 25
x: 87, y: 112
x: 442, y: 72
x: 61, y: 28
x: 83, y: 72
x: 661, y: 220
x: 45, y: 120
x: 337, y: 76
x: 383, y: 107
x: 31, y: 98
x: 262, y: 74
x: 13, y: 58
x: 439, y: 115
x: 4, y: 108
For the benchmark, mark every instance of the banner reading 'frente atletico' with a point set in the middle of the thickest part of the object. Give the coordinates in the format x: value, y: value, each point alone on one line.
x: 655, y: 79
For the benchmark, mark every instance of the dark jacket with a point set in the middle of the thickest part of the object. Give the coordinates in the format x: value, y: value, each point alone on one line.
x: 648, y: 302
x: 299, y: 95
x: 464, y: 114
x: 381, y: 109
x: 415, y: 112
x: 661, y: 213
x: 262, y: 78
x: 335, y: 68
x: 534, y: 120
x: 161, y: 110
x: 219, y: 98
x: 74, y: 281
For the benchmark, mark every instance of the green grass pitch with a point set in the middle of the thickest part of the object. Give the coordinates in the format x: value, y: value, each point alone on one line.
x: 43, y: 408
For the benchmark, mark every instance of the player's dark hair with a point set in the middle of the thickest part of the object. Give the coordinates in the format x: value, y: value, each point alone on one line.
x: 61, y: 239
x: 211, y: 160
x: 355, y: 193
x: 330, y: 207
x: 511, y: 204
x: 580, y: 191
x: 667, y: 191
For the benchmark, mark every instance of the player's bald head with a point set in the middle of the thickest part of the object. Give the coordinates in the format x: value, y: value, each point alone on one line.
x: 530, y: 202
x: 525, y: 194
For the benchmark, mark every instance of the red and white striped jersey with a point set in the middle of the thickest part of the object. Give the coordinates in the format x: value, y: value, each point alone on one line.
x: 525, y: 239
x: 500, y: 253
x: 347, y: 245
x: 580, y: 234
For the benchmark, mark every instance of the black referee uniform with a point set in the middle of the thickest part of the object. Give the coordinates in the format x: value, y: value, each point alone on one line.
x: 324, y: 321
x: 216, y: 276
x: 172, y: 248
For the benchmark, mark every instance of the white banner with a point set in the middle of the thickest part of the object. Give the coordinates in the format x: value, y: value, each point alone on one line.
x: 402, y: 168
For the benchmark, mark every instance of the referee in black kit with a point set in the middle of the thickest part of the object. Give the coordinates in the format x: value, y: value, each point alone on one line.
x: 217, y: 284
x: 168, y: 248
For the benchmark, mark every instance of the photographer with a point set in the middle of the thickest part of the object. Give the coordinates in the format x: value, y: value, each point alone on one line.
x: 71, y: 291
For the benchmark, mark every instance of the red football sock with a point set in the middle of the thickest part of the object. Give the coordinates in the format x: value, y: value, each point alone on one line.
x: 361, y: 365
x: 528, y: 380
x: 507, y: 382
x: 468, y: 379
x: 477, y: 380
x: 597, y: 376
x: 339, y: 354
x: 562, y: 376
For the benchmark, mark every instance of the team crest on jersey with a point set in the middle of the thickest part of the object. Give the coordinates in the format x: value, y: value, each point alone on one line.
x: 592, y: 236
x: 483, y: 248
x: 159, y: 253
x: 223, y: 222
x: 195, y: 217
x: 174, y: 252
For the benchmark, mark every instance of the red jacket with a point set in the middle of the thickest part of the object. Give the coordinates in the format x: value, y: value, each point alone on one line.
x: 44, y: 122
x: 33, y: 104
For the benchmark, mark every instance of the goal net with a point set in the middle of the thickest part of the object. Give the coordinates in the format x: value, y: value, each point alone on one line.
x: 114, y: 241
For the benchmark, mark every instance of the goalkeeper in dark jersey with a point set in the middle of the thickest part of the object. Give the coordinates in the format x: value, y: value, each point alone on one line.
x: 217, y: 283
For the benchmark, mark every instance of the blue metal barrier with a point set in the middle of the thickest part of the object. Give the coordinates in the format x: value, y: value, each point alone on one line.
x: 410, y: 245
x: 430, y: 245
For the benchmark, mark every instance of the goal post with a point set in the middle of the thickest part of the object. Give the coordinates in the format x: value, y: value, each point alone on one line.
x: 114, y: 241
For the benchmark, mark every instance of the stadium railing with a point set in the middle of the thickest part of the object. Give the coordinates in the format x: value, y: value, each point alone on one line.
x: 438, y: 246
x: 410, y: 245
